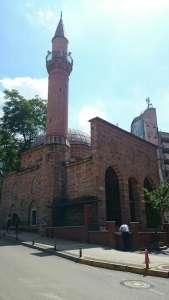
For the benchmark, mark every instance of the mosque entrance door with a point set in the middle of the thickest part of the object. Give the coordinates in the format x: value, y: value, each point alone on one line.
x: 59, y: 217
x: 113, y: 208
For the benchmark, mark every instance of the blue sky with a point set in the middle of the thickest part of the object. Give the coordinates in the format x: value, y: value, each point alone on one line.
x: 120, y: 50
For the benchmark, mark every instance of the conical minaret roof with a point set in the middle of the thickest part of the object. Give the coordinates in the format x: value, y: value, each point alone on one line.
x: 60, y: 30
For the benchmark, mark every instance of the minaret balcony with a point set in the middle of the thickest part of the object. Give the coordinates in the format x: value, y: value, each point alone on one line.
x: 59, y: 56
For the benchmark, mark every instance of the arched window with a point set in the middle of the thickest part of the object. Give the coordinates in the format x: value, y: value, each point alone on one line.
x: 147, y: 185
x: 30, y: 165
x: 113, y: 208
x: 15, y: 191
x: 32, y: 218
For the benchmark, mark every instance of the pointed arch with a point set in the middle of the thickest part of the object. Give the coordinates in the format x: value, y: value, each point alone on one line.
x: 32, y: 214
x: 113, y: 207
x: 12, y: 213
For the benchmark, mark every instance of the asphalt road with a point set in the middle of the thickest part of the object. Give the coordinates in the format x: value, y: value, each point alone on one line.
x: 30, y: 274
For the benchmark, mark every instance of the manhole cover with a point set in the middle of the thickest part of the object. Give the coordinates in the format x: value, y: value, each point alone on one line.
x: 138, y: 284
x: 164, y: 267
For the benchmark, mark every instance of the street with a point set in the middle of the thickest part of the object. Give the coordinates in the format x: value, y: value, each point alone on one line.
x: 30, y: 274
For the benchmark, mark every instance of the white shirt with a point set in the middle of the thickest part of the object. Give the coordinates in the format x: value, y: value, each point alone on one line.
x: 124, y: 228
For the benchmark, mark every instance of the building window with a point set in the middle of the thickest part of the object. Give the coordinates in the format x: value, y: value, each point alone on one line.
x: 34, y: 186
x: 165, y: 150
x: 164, y: 140
x: 30, y: 165
x: 15, y: 191
x: 33, y: 217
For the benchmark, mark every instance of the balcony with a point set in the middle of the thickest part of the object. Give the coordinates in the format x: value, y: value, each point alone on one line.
x: 59, y: 56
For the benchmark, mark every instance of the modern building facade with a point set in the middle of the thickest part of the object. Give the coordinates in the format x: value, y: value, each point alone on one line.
x: 145, y: 126
x: 164, y: 153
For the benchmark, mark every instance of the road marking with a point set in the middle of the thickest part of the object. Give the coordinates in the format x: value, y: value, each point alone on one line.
x: 157, y: 292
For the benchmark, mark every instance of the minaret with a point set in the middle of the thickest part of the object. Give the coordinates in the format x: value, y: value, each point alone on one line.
x: 56, y: 148
x: 59, y: 66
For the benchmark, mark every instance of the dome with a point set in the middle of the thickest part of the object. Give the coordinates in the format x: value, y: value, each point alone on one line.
x: 75, y: 137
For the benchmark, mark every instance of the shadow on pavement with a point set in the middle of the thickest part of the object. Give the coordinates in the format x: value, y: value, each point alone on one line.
x: 41, y: 254
x: 4, y: 243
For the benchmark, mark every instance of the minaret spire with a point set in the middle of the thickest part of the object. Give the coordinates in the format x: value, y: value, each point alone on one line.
x: 60, y: 30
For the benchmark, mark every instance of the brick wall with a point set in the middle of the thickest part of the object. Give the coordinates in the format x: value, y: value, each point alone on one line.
x: 32, y: 157
x: 26, y: 196
x: 131, y: 158
x: 80, y: 151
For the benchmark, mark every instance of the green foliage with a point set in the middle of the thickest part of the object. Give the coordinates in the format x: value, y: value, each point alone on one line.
x: 21, y: 123
x: 155, y: 202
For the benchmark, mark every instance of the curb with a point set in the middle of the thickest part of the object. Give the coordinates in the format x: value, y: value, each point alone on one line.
x: 124, y: 268
x: 93, y: 263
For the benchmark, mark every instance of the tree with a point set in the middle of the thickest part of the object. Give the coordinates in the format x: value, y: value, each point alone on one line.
x: 21, y: 123
x: 156, y: 201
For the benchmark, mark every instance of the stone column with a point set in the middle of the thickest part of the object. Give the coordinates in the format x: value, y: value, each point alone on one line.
x: 111, y: 234
x: 134, y: 235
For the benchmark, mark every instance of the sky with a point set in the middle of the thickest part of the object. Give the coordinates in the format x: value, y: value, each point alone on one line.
x: 120, y: 50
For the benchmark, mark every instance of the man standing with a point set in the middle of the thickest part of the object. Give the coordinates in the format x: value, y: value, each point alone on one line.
x: 8, y: 224
x: 125, y: 230
x: 17, y: 223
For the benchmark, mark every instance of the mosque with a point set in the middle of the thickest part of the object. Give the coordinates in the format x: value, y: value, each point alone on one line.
x: 68, y: 179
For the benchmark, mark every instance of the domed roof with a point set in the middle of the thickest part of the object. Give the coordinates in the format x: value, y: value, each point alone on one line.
x: 75, y: 137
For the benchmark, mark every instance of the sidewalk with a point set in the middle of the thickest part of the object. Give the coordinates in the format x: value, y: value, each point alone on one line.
x: 96, y: 255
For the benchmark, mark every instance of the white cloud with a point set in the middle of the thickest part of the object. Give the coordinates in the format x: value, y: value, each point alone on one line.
x: 27, y: 86
x: 45, y: 15
x: 1, y: 102
x: 45, y: 18
x: 87, y: 113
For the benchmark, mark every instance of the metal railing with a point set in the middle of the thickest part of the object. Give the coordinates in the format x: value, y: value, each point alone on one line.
x: 59, y: 55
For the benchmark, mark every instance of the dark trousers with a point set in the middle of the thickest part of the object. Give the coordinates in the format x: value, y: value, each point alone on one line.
x: 125, y: 237
x: 16, y: 228
x: 8, y: 229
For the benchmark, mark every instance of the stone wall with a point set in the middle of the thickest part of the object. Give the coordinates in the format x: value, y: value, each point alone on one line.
x: 31, y: 158
x: 21, y: 194
x: 80, y: 151
x: 131, y: 158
